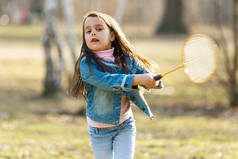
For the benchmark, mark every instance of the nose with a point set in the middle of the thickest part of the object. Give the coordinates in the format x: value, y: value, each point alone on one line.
x: 93, y: 33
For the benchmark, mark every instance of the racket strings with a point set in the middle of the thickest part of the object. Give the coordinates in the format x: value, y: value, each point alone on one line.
x: 199, y: 59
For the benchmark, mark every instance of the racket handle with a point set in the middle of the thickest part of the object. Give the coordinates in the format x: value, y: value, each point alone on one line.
x: 158, y: 77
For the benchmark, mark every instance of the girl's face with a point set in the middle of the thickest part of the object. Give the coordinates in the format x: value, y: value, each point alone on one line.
x: 98, y: 36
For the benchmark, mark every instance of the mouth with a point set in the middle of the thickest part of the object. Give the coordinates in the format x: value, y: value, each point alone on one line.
x: 94, y: 40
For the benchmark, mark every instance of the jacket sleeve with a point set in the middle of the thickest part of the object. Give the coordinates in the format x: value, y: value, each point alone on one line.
x: 140, y: 70
x: 105, y: 80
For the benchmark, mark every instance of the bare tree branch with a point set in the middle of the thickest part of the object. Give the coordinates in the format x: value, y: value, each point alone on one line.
x: 222, y: 39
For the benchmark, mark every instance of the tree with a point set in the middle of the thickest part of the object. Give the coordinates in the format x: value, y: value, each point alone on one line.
x: 53, y: 77
x: 69, y: 20
x: 120, y: 9
x: 51, y: 35
x: 172, y: 22
x: 230, y: 58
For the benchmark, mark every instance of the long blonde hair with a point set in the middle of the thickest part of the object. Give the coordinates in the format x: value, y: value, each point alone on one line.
x: 122, y: 49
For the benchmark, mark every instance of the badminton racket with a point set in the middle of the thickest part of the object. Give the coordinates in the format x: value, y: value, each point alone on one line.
x: 198, y: 58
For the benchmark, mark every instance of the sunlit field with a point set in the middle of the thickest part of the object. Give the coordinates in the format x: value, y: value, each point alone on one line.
x: 191, y: 121
x: 61, y: 136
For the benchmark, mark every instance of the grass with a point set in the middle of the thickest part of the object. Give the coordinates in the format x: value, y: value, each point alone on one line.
x: 54, y: 136
x: 188, y: 125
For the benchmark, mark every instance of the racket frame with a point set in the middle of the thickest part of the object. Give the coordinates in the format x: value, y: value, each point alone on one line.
x: 159, y: 76
x: 213, y: 44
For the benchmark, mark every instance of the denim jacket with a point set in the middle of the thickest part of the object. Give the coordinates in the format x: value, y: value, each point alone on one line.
x: 105, y: 90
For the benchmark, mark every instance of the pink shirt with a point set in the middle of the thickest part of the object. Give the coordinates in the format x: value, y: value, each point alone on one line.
x: 125, y: 102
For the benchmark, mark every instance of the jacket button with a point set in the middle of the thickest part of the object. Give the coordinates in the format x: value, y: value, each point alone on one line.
x: 126, y: 85
x: 143, y: 109
x: 133, y: 98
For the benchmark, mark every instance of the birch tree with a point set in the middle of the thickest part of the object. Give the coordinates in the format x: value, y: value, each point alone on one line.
x: 69, y: 20
x: 120, y: 9
x: 52, y: 82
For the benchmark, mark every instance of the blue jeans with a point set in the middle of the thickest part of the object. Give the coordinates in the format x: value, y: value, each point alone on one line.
x: 116, y: 142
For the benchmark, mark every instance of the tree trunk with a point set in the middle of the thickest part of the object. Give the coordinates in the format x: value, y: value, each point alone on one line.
x: 233, y: 78
x: 53, y: 80
x: 120, y: 9
x: 51, y: 83
x: 233, y: 97
x: 230, y: 58
x: 69, y: 18
x: 172, y: 22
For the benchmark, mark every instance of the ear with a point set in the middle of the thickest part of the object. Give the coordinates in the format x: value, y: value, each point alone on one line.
x: 112, y: 36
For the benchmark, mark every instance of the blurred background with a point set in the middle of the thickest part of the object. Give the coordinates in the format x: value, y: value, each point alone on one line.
x: 41, y: 40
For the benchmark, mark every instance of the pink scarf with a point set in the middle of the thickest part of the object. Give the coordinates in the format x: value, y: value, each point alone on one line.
x: 106, y: 55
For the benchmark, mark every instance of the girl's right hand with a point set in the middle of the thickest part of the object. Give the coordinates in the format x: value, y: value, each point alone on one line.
x: 146, y: 80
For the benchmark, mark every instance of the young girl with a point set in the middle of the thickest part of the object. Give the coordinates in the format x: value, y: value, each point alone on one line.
x: 107, y: 73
